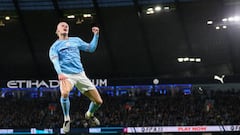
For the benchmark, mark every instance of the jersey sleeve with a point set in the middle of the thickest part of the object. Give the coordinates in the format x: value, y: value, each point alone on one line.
x: 53, y: 55
x: 89, y: 47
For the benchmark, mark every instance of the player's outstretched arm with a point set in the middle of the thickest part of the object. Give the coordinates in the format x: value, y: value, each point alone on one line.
x: 90, y: 47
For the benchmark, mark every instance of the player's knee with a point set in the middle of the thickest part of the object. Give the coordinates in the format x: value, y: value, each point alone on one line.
x: 99, y: 101
x: 64, y: 94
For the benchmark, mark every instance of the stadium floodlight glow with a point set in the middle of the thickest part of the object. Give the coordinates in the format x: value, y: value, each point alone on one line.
x: 166, y: 8
x: 192, y: 59
x: 87, y: 15
x: 230, y: 19
x: 224, y: 26
x: 155, y: 81
x: 236, y: 18
x: 158, y: 8
x: 224, y: 19
x: 71, y: 16
x: 217, y: 27
x: 198, y: 59
x: 7, y: 17
x: 150, y: 11
x: 180, y: 59
x: 209, y: 22
x: 186, y: 59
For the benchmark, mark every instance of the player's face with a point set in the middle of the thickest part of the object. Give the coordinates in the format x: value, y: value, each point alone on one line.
x: 62, y: 28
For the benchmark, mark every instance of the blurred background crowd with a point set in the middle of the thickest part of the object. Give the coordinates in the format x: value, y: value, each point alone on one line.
x: 141, y: 109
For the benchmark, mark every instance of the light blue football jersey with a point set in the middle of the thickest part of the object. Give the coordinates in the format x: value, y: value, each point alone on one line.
x: 65, y: 54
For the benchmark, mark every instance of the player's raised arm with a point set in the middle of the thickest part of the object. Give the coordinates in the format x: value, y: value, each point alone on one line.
x: 90, y: 47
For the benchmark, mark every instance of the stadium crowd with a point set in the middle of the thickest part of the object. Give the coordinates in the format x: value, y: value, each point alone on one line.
x: 140, y: 109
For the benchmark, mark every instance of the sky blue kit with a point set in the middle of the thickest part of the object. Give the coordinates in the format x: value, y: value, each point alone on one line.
x: 65, y: 54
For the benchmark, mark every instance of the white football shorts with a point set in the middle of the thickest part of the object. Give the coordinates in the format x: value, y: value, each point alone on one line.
x: 81, y: 81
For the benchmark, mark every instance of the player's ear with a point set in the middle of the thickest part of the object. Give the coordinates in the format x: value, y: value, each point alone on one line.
x: 57, y: 32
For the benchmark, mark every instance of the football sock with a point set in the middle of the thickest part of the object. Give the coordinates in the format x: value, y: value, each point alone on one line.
x: 65, y: 103
x: 92, y: 108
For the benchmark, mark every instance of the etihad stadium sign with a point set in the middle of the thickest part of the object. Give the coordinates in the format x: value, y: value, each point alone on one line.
x: 32, y: 83
x: 46, y: 83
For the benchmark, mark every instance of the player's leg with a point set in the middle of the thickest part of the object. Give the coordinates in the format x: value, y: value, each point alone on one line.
x: 65, y: 88
x: 88, y: 89
x: 96, y: 102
